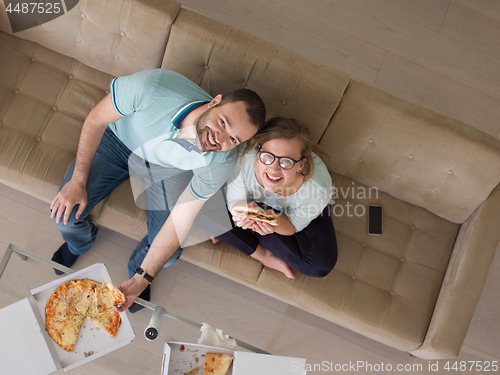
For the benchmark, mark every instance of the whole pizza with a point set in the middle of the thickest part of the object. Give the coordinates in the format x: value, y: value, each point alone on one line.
x: 72, y: 302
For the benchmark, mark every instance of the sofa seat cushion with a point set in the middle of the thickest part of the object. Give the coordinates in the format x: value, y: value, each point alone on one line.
x: 224, y: 260
x: 384, y: 287
x: 44, y: 99
x: 121, y: 213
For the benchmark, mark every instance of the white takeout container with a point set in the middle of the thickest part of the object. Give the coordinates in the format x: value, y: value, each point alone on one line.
x: 180, y: 362
x: 26, y: 346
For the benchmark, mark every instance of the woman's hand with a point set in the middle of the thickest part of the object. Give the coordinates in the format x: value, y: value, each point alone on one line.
x: 264, y: 228
x: 244, y: 222
x: 258, y: 226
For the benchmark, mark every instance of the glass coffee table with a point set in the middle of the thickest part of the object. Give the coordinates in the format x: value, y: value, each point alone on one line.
x: 22, y: 270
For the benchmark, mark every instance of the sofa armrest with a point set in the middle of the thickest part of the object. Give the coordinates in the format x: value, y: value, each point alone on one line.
x: 464, y: 280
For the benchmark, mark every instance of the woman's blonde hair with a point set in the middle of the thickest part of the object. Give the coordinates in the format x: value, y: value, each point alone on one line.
x: 287, y: 128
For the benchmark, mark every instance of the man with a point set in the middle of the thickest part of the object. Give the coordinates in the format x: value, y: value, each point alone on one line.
x: 161, y: 117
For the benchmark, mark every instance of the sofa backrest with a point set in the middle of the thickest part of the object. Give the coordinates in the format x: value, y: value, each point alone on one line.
x: 113, y: 36
x: 412, y: 153
x: 221, y: 58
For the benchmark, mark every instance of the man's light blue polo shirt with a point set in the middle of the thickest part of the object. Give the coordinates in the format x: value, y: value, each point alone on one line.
x: 154, y: 103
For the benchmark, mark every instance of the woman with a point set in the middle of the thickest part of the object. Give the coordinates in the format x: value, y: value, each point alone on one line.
x: 278, y: 170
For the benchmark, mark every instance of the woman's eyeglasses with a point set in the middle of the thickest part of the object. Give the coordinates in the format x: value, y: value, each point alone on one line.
x: 267, y: 158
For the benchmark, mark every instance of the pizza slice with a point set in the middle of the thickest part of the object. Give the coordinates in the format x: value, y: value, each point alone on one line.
x: 107, y: 296
x: 217, y: 363
x: 108, y: 320
x: 117, y: 294
x: 101, y: 312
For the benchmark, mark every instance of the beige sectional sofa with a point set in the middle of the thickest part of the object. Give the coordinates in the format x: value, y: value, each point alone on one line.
x: 414, y: 288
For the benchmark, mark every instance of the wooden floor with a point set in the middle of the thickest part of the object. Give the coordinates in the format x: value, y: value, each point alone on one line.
x: 443, y: 54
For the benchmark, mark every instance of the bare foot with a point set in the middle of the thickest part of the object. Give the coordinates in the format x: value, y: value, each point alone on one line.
x: 214, y: 240
x: 270, y: 260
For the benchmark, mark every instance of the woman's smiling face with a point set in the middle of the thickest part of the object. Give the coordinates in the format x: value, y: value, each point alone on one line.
x: 274, y: 178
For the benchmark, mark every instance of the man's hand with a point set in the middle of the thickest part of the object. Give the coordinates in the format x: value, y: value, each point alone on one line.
x: 70, y: 195
x: 167, y: 241
x: 131, y: 288
x: 75, y: 192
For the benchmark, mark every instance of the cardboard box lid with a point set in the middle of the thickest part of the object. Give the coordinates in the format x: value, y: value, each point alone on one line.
x: 176, y: 361
x: 19, y: 355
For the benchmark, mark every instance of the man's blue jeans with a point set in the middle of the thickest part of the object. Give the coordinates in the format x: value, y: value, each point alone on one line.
x: 109, y: 169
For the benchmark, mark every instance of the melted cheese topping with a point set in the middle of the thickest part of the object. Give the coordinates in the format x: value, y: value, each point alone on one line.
x: 104, y: 295
x: 69, y: 334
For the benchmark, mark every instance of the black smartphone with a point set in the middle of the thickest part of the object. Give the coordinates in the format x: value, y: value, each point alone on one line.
x: 375, y: 214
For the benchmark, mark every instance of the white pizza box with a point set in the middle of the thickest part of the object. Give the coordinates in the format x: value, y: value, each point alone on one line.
x: 23, y: 331
x: 180, y: 362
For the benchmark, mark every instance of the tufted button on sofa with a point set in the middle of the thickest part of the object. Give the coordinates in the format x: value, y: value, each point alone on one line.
x: 414, y: 288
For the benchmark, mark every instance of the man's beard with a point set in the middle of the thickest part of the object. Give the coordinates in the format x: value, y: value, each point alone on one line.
x: 201, y: 126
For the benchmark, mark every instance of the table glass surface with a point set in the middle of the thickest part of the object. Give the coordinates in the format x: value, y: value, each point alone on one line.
x: 22, y: 270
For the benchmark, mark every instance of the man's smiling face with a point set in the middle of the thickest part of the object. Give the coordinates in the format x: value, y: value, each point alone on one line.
x: 220, y: 128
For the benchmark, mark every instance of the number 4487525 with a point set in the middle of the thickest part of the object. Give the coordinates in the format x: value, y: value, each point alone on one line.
x: 471, y: 366
x: 34, y: 8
